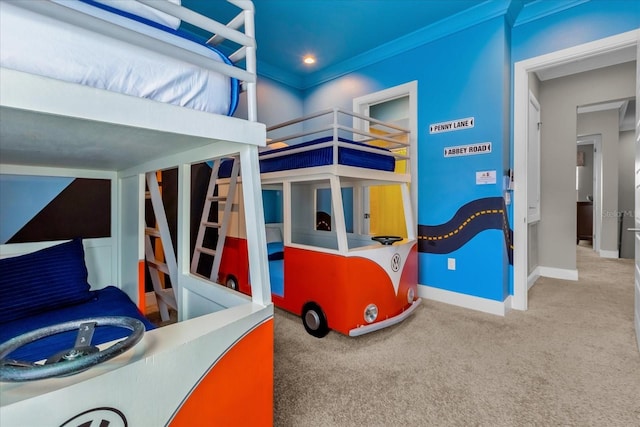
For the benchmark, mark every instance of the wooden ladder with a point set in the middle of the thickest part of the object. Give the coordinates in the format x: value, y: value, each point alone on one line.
x: 165, y: 265
x: 222, y: 224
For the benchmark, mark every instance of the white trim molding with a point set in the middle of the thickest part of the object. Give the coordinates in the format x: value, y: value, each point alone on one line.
x: 499, y: 308
x: 637, y: 303
x: 558, y: 273
x: 608, y: 254
x: 531, y: 280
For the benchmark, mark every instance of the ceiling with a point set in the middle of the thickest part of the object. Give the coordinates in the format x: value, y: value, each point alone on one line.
x: 333, y: 30
x: 626, y: 112
x: 337, y: 31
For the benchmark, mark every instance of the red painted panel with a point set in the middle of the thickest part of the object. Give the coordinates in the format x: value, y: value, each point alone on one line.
x: 342, y: 286
x: 235, y: 262
x: 243, y: 375
x: 142, y: 300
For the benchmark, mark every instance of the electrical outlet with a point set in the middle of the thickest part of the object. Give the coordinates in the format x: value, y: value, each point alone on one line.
x: 451, y: 263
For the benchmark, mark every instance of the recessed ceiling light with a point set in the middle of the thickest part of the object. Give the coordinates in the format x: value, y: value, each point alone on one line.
x: 309, y: 59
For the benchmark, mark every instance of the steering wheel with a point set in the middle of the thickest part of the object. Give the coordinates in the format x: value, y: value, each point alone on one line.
x: 82, y: 356
x: 387, y: 240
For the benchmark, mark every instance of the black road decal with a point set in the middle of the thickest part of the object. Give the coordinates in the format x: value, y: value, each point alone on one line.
x: 469, y: 220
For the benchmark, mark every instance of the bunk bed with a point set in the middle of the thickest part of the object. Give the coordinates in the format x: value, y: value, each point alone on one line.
x: 341, y: 236
x: 63, y: 123
x: 327, y: 143
x: 336, y: 138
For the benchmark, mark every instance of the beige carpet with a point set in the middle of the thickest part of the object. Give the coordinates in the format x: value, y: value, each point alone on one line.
x: 570, y: 360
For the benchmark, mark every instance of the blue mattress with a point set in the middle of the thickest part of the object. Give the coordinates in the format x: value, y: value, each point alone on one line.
x: 322, y: 156
x: 109, y: 301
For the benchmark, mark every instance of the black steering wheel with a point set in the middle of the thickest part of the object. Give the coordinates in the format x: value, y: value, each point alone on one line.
x: 82, y: 356
x: 387, y: 240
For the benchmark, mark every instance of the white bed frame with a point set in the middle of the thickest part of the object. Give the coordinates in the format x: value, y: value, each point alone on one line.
x: 337, y: 123
x: 298, y: 188
x: 55, y: 128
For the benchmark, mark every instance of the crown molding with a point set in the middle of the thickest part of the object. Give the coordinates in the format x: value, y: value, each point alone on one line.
x: 541, y: 8
x: 482, y: 12
x: 279, y: 74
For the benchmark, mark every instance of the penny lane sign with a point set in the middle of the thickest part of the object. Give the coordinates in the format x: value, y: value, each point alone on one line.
x: 452, y: 125
x: 460, y: 150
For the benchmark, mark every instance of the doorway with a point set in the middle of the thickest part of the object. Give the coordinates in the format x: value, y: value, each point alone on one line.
x: 561, y: 61
x: 589, y: 184
x: 398, y: 105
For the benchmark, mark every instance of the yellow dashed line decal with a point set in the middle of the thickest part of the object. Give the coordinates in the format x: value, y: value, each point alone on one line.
x: 464, y: 224
x: 469, y: 220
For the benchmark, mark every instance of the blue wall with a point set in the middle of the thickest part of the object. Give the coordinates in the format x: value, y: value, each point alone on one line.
x: 22, y: 197
x: 584, y: 23
x: 458, y: 76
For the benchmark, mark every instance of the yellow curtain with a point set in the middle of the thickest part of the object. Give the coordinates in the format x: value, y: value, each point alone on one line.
x: 385, y: 203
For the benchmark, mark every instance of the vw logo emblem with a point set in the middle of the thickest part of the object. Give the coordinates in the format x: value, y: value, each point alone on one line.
x: 98, y: 417
x: 395, y: 262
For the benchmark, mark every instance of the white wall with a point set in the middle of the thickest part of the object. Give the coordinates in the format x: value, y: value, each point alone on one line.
x: 276, y: 103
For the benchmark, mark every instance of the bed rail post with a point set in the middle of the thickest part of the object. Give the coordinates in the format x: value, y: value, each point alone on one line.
x: 335, y: 135
x: 251, y: 66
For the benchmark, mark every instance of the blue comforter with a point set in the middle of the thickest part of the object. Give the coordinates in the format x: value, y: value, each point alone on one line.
x: 109, y: 301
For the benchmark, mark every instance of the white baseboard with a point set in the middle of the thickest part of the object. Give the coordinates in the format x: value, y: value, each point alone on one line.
x: 531, y: 280
x: 637, y: 307
x: 499, y: 308
x: 608, y: 254
x: 638, y: 332
x: 558, y: 273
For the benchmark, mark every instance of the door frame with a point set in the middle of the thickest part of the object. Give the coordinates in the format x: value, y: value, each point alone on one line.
x: 636, y: 222
x: 520, y: 117
x: 596, y: 141
x: 361, y: 105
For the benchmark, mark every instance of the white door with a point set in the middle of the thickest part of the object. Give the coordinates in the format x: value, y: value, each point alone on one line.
x: 533, y: 160
x: 637, y: 208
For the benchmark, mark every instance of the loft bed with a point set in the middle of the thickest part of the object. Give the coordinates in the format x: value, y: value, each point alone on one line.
x: 334, y: 142
x: 337, y: 142
x: 56, y: 124
x: 331, y: 147
x: 336, y: 148
x: 336, y: 201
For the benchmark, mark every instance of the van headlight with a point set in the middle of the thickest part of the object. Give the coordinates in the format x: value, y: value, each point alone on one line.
x: 371, y: 313
x: 410, y: 295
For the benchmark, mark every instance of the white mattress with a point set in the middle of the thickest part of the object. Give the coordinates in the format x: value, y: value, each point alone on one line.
x: 41, y: 45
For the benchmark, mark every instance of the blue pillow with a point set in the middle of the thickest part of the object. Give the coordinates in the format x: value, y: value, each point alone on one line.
x: 44, y: 280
